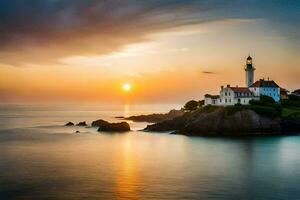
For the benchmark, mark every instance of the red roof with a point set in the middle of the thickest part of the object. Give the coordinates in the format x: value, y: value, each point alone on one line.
x: 241, y: 89
x: 264, y: 83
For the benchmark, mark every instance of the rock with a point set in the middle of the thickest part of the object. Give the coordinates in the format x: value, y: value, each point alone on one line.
x: 77, y: 132
x: 168, y: 125
x: 69, y: 124
x: 242, y: 122
x: 81, y: 124
x: 154, y: 118
x: 219, y: 122
x: 115, y: 127
x: 291, y: 125
x: 119, y: 117
x: 99, y: 123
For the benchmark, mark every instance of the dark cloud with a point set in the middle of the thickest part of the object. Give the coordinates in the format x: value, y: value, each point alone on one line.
x: 44, y: 30
x: 37, y: 31
x: 207, y: 72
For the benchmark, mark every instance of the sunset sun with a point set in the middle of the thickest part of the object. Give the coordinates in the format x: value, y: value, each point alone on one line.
x: 126, y: 87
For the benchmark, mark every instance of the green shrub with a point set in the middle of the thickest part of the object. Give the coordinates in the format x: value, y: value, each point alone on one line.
x: 229, y: 110
x: 208, y: 109
x: 266, y: 99
x: 295, y: 115
x: 268, y: 111
x: 191, y: 106
x: 290, y: 103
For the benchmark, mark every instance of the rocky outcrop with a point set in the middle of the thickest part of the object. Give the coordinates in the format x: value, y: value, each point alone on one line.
x: 242, y: 122
x: 115, y: 127
x: 69, y: 124
x: 290, y: 125
x: 105, y: 126
x: 99, y: 123
x: 218, y: 122
x: 154, y: 118
x: 81, y: 124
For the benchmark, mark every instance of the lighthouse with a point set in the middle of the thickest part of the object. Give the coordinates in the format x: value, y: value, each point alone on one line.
x: 249, y: 72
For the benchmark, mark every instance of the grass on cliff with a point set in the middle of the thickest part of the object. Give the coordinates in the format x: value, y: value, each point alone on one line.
x: 268, y: 111
x: 290, y: 111
x: 265, y: 107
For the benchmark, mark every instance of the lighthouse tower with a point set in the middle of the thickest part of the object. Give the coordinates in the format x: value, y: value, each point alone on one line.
x: 249, y: 72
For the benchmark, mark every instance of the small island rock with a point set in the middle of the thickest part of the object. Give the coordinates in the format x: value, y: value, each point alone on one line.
x: 81, y: 124
x: 99, y: 123
x: 69, y: 124
x: 115, y: 127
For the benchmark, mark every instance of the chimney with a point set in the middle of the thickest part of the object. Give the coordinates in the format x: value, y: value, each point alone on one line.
x: 228, y: 86
x: 222, y: 87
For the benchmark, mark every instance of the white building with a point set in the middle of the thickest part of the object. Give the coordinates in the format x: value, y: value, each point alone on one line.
x: 268, y: 88
x: 211, y: 99
x: 230, y: 96
x: 242, y: 95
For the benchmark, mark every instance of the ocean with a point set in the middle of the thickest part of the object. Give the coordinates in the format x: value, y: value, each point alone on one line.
x: 40, y: 158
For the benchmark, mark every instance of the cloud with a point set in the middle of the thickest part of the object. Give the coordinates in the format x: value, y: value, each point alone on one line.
x: 208, y: 72
x: 44, y: 31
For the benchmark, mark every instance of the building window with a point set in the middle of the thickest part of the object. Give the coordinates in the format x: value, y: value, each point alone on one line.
x: 225, y: 93
x: 225, y: 100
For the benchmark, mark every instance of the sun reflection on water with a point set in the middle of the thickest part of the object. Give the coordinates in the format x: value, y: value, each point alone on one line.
x: 126, y: 110
x: 126, y: 179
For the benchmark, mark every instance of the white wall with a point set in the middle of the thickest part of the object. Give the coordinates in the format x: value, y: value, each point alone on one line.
x: 226, y: 97
x: 207, y: 101
x: 268, y: 91
x: 249, y: 77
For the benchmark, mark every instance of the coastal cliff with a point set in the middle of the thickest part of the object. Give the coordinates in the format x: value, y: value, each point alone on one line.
x: 154, y: 118
x: 220, y: 121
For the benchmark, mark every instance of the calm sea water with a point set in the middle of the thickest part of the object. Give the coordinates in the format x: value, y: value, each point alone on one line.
x: 42, y: 159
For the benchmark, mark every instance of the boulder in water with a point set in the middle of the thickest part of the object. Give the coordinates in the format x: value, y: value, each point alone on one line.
x: 69, y: 124
x: 99, y: 123
x: 81, y: 124
x: 114, y: 127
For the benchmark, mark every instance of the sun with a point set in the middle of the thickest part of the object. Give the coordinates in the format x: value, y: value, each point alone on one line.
x: 126, y: 87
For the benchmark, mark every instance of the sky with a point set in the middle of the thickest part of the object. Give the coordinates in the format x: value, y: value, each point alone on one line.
x: 169, y: 51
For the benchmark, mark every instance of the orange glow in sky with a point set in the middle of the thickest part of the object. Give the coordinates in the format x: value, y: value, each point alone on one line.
x: 168, y: 58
